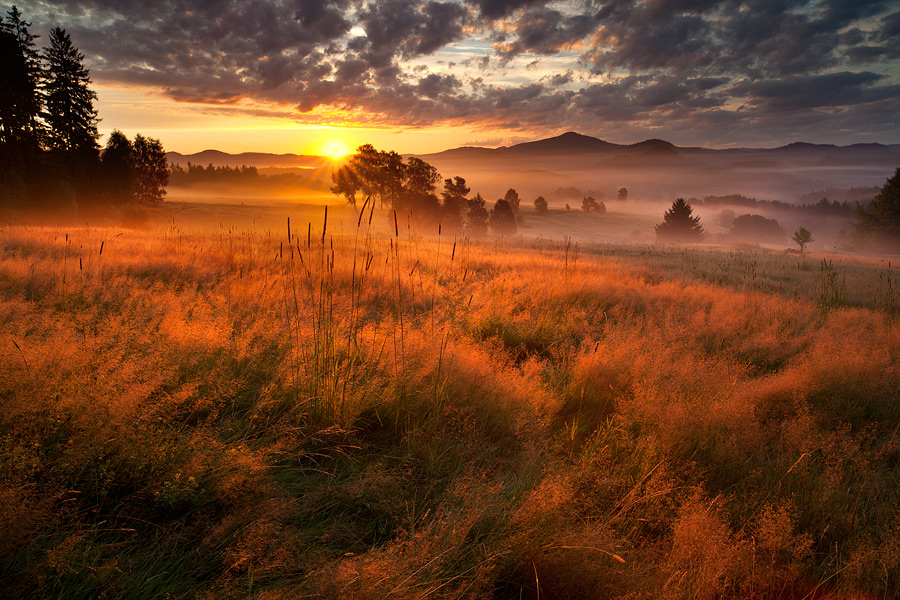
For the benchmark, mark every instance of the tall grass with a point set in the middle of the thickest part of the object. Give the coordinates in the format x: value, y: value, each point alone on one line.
x: 359, y: 411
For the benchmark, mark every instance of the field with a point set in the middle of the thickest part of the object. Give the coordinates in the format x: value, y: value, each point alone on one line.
x: 342, y: 407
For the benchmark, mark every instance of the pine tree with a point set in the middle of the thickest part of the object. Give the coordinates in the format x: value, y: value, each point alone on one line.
x: 881, y: 219
x: 70, y: 111
x: 679, y: 225
x: 20, y: 94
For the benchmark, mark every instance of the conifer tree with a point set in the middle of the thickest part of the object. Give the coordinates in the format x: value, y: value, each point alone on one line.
x: 881, y: 219
x: 70, y: 111
x: 21, y: 74
x: 679, y: 225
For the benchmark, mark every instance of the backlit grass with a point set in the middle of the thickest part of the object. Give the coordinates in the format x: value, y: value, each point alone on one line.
x: 359, y: 411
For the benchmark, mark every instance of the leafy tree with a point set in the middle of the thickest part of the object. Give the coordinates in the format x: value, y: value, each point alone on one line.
x: 622, y: 194
x: 418, y: 195
x: 503, y: 219
x: 454, y: 202
x: 346, y: 183
x: 477, y: 215
x: 151, y: 171
x: 70, y: 111
x: 589, y: 204
x: 881, y: 219
x: 512, y: 198
x: 391, y: 172
x: 679, y: 225
x: 756, y: 229
x: 802, y: 237
x: 118, y: 166
x: 540, y: 205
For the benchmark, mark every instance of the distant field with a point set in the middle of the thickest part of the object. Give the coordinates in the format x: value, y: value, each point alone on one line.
x: 202, y: 400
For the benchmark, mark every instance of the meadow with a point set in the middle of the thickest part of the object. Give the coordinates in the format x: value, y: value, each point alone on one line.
x: 343, y: 407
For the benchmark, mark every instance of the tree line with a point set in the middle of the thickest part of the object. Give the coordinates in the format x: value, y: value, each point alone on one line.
x: 50, y: 156
x: 411, y: 187
x: 194, y: 174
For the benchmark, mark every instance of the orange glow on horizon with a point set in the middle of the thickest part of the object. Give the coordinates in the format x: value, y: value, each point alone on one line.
x: 335, y: 148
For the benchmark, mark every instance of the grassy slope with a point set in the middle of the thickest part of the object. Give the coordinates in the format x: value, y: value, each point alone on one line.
x: 229, y: 413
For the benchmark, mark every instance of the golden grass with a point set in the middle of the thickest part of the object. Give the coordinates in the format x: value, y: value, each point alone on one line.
x: 370, y: 413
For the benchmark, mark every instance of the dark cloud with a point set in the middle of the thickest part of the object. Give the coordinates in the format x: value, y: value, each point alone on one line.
x: 494, y: 9
x: 714, y: 65
x: 802, y: 93
x: 545, y: 31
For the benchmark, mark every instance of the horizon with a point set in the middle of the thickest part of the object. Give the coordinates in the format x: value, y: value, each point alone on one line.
x: 623, y: 144
x: 424, y: 77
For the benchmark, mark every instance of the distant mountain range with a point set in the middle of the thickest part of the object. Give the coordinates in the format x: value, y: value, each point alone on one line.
x: 571, y: 143
x: 649, y: 169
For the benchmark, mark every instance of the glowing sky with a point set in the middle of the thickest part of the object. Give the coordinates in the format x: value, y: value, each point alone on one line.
x: 414, y: 76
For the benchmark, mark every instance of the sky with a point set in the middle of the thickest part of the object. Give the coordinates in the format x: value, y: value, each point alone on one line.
x: 323, y: 76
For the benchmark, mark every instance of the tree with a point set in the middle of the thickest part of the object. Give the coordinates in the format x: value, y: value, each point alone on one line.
x: 477, y: 215
x: 512, y: 198
x: 20, y: 96
x: 20, y: 106
x: 679, y: 225
x: 589, y: 204
x: 881, y: 219
x: 151, y: 170
x: 118, y: 166
x: 503, y: 219
x: 346, y: 183
x: 802, y: 236
x: 418, y: 194
x: 622, y: 194
x: 540, y: 205
x: 70, y: 111
x: 756, y: 229
x: 453, y: 202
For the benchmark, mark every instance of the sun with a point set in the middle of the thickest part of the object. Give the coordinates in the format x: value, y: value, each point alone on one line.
x: 335, y: 148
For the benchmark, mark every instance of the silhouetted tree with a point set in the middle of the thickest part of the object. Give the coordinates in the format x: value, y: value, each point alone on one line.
x: 512, y: 198
x: 540, y: 205
x: 118, y: 167
x: 477, y: 215
x: 757, y: 229
x: 881, y: 219
x: 453, y: 202
x: 802, y: 237
x: 589, y: 204
x: 346, y: 183
x: 21, y: 74
x: 151, y: 171
x: 503, y: 219
x: 679, y: 225
x: 622, y: 194
x: 418, y: 192
x: 70, y: 102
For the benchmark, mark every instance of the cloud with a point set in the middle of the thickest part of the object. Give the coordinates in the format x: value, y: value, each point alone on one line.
x: 705, y: 66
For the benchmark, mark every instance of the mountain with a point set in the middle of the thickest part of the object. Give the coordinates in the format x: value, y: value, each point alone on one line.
x: 250, y: 159
x: 567, y: 143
